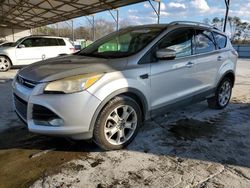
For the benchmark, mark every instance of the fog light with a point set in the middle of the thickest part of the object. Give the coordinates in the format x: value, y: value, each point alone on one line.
x: 56, y: 122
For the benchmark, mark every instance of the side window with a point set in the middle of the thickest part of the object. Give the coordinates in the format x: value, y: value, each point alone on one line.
x: 32, y: 42
x: 27, y: 43
x: 61, y: 42
x: 52, y: 42
x: 48, y: 42
x: 221, y: 40
x: 179, y: 40
x: 204, y: 42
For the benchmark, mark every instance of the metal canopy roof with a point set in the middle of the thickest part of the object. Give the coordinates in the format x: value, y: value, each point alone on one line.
x: 36, y: 13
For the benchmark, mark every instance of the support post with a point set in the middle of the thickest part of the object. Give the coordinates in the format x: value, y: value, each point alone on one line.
x: 58, y: 32
x: 157, y: 12
x: 13, y: 35
x: 227, y: 2
x: 73, y: 33
x: 93, y: 28
x: 92, y: 23
x: 116, y: 19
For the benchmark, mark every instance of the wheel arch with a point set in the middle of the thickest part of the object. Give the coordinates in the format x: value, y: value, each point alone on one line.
x: 4, y: 55
x: 130, y: 92
x: 228, y: 74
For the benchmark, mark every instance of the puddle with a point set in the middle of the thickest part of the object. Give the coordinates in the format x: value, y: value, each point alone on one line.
x: 191, y: 129
x: 17, y: 146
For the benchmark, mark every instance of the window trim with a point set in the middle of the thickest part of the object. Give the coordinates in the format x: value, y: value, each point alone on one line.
x: 214, y: 32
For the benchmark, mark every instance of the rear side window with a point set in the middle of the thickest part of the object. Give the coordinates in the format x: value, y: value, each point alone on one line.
x: 204, y: 42
x: 221, y: 40
x: 52, y: 42
x: 49, y: 42
x: 61, y: 42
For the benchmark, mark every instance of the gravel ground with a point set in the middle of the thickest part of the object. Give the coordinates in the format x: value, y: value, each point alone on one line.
x: 191, y: 147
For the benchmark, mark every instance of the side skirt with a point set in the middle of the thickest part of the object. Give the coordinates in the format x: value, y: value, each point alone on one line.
x: 183, y: 102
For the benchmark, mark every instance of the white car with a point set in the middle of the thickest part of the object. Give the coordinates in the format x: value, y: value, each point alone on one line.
x: 31, y: 49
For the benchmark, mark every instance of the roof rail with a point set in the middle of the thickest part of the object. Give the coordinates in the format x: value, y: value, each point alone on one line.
x: 193, y: 23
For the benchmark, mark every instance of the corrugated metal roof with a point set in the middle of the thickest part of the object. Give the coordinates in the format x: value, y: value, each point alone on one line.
x: 35, y: 13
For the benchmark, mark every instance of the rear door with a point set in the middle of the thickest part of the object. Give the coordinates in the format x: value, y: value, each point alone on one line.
x: 173, y: 80
x: 206, y: 60
x: 223, y: 53
x: 50, y: 48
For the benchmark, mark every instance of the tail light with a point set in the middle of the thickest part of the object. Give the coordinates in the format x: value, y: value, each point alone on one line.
x: 72, y: 50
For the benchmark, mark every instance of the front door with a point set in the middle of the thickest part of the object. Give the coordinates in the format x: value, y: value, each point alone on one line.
x: 29, y: 51
x: 172, y: 80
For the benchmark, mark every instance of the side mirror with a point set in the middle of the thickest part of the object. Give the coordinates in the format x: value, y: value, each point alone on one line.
x: 21, y: 46
x: 165, y: 54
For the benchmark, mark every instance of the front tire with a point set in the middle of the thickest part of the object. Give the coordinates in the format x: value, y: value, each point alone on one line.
x: 222, y: 95
x: 5, y: 64
x: 117, y: 123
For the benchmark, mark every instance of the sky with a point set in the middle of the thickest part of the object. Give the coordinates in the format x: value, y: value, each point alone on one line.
x: 192, y: 10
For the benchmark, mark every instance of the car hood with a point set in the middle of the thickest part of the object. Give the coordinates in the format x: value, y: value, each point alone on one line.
x: 70, y: 65
x: 4, y: 48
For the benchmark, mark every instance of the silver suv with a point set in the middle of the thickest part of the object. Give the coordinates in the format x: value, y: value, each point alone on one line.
x: 107, y: 90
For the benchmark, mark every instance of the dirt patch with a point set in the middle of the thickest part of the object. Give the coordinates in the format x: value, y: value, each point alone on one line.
x: 17, y: 166
x: 191, y: 129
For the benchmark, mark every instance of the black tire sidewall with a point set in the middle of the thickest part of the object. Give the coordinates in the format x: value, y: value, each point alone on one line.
x: 99, y: 135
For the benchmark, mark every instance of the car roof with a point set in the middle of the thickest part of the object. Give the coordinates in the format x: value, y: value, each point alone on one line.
x: 43, y: 36
x: 194, y: 25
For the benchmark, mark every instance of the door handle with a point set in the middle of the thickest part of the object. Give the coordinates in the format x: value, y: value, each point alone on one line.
x: 189, y: 64
x: 144, y: 76
x: 220, y: 58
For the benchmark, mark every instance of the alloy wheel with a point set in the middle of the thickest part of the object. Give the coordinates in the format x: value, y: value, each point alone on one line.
x: 224, y: 93
x: 4, y: 64
x: 120, y: 125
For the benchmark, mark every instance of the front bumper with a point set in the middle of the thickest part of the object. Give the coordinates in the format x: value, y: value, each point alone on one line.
x: 74, y: 110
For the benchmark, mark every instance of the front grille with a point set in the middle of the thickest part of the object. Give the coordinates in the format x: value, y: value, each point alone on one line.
x: 21, y: 107
x: 25, y: 82
x: 42, y: 113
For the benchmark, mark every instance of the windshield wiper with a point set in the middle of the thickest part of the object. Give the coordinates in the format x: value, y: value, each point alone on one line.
x: 91, y: 55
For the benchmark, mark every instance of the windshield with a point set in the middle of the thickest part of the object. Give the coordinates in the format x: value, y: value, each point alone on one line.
x: 6, y: 44
x: 122, y: 43
x: 17, y: 42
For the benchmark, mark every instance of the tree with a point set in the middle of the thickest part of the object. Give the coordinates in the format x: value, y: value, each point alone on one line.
x: 103, y: 27
x: 239, y: 31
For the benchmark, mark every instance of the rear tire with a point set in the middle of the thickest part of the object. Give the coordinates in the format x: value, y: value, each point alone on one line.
x: 118, y: 123
x: 5, y: 64
x: 222, y: 95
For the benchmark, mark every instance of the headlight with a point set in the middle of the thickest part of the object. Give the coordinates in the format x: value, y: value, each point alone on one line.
x: 72, y: 84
